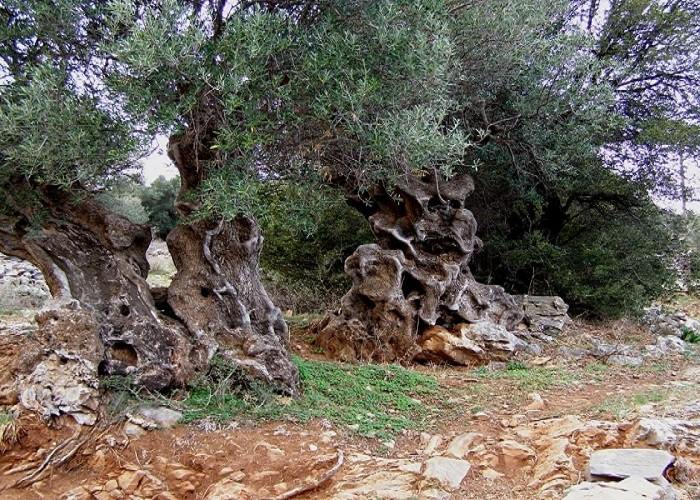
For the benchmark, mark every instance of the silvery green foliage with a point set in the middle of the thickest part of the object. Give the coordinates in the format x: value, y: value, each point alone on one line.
x: 356, y: 89
x: 58, y: 126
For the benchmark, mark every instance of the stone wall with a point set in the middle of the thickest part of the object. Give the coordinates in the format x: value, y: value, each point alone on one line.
x: 22, y: 285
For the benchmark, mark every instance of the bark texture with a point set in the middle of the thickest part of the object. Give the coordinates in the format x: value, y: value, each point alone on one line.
x: 416, y: 275
x: 217, y: 291
x: 94, y: 263
x: 218, y: 294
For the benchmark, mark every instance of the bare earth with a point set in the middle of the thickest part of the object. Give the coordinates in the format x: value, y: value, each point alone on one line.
x: 531, y: 438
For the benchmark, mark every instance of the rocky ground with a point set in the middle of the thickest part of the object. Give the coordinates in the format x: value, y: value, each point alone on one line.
x: 598, y: 411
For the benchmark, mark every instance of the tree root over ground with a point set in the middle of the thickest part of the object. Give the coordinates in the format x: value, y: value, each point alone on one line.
x: 305, y: 488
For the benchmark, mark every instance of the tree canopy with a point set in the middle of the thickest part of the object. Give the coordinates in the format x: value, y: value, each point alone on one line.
x: 566, y: 113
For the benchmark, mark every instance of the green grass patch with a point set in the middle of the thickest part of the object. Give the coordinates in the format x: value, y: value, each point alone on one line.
x: 597, y: 368
x: 690, y: 335
x: 528, y: 379
x: 5, y: 418
x: 376, y: 400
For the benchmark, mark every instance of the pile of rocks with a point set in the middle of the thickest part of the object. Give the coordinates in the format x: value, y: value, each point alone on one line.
x: 22, y: 285
x: 669, y: 323
x: 484, y: 341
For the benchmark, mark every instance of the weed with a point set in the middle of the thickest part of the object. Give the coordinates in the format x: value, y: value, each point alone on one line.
x: 656, y: 367
x: 10, y: 431
x: 597, y: 367
x: 648, y: 397
x: 374, y: 399
x: 690, y: 335
x: 623, y: 406
x: 515, y: 365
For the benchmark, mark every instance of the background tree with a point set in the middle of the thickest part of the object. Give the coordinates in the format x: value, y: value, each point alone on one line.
x: 573, y: 143
x: 158, y: 200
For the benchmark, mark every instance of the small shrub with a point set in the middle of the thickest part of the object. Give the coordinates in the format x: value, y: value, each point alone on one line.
x: 690, y: 335
x: 10, y: 431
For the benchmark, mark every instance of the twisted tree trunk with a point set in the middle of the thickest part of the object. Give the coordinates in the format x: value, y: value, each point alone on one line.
x: 416, y: 275
x: 94, y: 263
x: 217, y: 291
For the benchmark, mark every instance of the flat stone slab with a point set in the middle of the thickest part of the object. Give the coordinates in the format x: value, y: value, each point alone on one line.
x: 448, y: 471
x: 632, y: 488
x: 621, y: 463
x: 161, y: 415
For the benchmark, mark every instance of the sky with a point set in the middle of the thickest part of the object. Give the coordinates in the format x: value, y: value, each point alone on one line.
x: 158, y: 163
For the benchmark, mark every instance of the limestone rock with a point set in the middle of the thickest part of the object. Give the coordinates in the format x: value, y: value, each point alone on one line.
x: 133, y: 430
x: 544, y: 314
x: 463, y: 444
x: 620, y: 463
x: 448, y: 471
x: 514, y: 455
x: 632, y: 488
x: 491, y: 475
x: 383, y: 484
x: 226, y: 489
x: 129, y: 480
x: 661, y: 322
x: 161, y: 416
x: 468, y: 344
x: 62, y: 384
x: 624, y: 360
x: 537, y: 402
x: 25, y: 283
x: 669, y: 433
x: 433, y: 444
x: 665, y: 345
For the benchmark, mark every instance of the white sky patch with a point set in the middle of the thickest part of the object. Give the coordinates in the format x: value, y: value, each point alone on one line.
x: 157, y: 163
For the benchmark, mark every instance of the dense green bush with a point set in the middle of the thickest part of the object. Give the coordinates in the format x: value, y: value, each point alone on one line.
x: 158, y: 200
x: 602, y: 265
x: 308, y: 235
x: 124, y: 198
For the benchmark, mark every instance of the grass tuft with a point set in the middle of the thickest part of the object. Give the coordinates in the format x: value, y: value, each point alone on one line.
x: 375, y: 400
x: 690, y: 335
x: 10, y: 431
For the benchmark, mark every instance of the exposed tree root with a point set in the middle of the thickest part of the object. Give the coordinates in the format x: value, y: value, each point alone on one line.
x: 56, y: 458
x: 312, y: 486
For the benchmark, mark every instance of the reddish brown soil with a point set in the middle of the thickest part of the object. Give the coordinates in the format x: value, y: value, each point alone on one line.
x: 186, y: 461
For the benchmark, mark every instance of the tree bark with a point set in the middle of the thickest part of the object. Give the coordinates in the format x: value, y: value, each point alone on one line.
x: 416, y: 275
x: 94, y: 263
x: 218, y: 294
x: 217, y: 291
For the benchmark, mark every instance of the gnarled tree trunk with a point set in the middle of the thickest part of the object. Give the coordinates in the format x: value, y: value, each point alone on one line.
x: 217, y: 291
x: 416, y: 275
x: 94, y: 263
